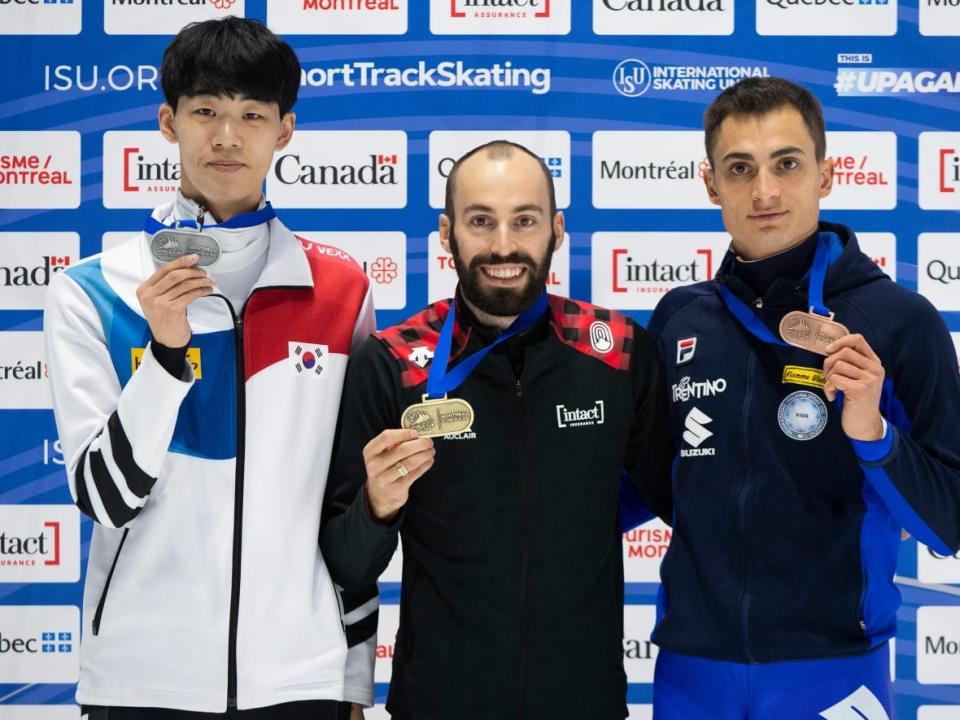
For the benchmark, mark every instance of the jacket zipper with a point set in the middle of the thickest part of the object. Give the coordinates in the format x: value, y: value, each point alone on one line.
x: 742, y: 493
x: 98, y: 615
x: 237, y: 510
x: 524, y: 553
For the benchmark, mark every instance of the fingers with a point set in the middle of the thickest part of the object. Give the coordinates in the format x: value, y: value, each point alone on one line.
x: 189, y: 287
x: 854, y: 341
x: 386, y: 440
x: 176, y: 277
x: 411, y: 453
x: 181, y: 262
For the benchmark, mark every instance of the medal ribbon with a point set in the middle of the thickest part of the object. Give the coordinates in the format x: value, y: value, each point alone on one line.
x: 440, y: 382
x: 250, y: 219
x: 818, y: 271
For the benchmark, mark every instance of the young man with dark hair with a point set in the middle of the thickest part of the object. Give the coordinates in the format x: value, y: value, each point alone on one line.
x: 512, y: 597
x: 196, y: 374
x: 836, y: 428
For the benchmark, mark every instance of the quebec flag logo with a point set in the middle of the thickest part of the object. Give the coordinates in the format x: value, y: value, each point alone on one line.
x: 308, y: 358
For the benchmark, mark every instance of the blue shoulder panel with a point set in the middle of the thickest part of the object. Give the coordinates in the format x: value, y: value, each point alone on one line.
x: 207, y: 421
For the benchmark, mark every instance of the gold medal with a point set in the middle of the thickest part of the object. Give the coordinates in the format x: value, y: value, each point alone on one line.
x: 811, y: 331
x: 433, y: 418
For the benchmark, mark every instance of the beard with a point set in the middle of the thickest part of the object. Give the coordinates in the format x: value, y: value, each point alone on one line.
x: 502, y: 302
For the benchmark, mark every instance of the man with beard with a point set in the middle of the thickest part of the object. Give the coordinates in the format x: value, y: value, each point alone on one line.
x: 524, y: 411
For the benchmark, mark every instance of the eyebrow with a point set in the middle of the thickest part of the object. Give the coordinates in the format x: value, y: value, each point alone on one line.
x: 789, y: 150
x: 529, y: 207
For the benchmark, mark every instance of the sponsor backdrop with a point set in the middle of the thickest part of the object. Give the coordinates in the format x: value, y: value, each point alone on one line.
x: 610, y: 94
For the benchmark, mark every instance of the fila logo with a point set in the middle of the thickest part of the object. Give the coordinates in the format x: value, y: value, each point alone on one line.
x: 420, y: 356
x: 308, y: 359
x: 859, y: 705
x: 685, y: 350
x: 695, y: 433
x: 601, y: 337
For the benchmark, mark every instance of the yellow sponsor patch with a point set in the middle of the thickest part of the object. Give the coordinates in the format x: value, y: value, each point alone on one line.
x: 798, y: 375
x: 193, y: 357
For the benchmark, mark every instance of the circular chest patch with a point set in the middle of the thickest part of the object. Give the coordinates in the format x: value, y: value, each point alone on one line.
x: 802, y: 415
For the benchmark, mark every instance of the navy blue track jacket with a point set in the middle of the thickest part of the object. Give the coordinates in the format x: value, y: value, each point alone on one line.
x: 785, y: 531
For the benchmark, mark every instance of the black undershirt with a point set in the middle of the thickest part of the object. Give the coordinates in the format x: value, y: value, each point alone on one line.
x: 759, y: 275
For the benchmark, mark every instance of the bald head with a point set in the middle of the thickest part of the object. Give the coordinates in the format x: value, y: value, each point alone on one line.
x: 495, y: 150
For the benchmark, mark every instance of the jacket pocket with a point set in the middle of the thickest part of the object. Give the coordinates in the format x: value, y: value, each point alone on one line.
x: 98, y: 615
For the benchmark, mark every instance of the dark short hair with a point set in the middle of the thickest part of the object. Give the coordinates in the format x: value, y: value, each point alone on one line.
x: 497, y: 150
x: 235, y: 57
x: 759, y: 96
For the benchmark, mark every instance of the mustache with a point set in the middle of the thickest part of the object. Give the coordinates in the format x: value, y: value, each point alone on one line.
x: 514, y: 258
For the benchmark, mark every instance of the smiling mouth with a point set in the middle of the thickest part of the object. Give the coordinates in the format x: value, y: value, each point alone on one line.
x: 504, y: 273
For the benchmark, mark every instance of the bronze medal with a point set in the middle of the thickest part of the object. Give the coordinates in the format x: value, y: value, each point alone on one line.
x: 811, y: 331
x: 433, y: 418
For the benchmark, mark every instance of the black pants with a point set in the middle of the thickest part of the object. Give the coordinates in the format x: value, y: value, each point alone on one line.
x: 308, y: 710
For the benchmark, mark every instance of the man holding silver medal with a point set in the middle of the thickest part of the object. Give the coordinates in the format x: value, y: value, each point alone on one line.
x: 834, y: 427
x: 196, y: 373
x: 491, y: 432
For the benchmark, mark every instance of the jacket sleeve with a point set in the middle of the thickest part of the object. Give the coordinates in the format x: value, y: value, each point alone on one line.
x: 114, y: 439
x: 356, y: 547
x: 915, y: 467
x: 360, y: 617
x: 646, y: 490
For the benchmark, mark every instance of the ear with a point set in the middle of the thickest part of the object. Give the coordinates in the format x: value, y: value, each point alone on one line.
x: 445, y: 233
x: 287, y: 123
x: 558, y: 226
x: 165, y: 119
x: 826, y: 177
x: 709, y: 180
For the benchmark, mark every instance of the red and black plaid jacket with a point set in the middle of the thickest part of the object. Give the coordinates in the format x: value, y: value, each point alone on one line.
x: 511, y: 601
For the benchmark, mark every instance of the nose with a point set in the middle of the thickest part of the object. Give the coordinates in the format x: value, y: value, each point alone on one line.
x: 225, y: 134
x: 504, y: 242
x: 765, y: 187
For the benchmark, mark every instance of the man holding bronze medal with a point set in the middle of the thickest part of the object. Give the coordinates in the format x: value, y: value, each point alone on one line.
x: 196, y: 373
x: 835, y: 427
x: 491, y: 432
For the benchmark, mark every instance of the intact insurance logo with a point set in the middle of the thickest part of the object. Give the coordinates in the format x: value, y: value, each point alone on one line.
x: 634, y: 77
x: 632, y: 271
x: 662, y: 169
x: 826, y: 17
x: 447, y: 146
x: 39, y: 543
x: 140, y: 169
x: 864, y: 171
x: 938, y: 645
x: 500, y: 17
x: 938, y: 269
x: 23, y: 372
x: 337, y: 17
x: 382, y: 255
x: 41, y: 17
x: 148, y: 17
x: 663, y: 17
x: 39, y: 644
x: 39, y: 169
x: 341, y: 169
x: 442, y: 273
x: 939, y: 182
x: 27, y: 263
